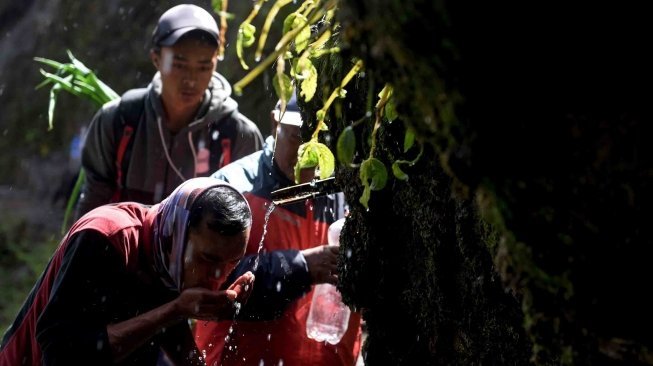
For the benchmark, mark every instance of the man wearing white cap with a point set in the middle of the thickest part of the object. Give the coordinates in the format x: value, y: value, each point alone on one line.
x: 183, y: 125
x: 271, y: 328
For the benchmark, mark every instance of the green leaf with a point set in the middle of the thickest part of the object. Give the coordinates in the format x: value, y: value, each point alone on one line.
x: 326, y: 161
x: 78, y: 64
x: 53, y: 102
x: 107, y: 93
x: 308, y: 74
x: 365, y: 197
x: 342, y: 93
x: 245, y: 39
x: 248, y: 31
x: 302, y: 39
x: 288, y: 23
x: 64, y: 83
x: 374, y: 173
x: 314, y: 154
x: 398, y: 173
x: 294, y: 21
x: 307, y: 157
x: 390, y: 110
x: 346, y: 146
x: 283, y: 87
x: 89, y: 91
x: 54, y: 64
x: 409, y: 139
x: 75, y: 78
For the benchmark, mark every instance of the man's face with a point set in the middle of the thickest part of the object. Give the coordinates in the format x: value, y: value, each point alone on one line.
x: 287, y: 143
x: 210, y: 256
x: 186, y: 69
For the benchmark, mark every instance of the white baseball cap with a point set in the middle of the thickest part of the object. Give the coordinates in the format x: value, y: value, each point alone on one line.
x: 291, y: 116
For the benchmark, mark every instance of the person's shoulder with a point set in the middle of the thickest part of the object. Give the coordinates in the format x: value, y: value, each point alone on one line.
x: 243, y: 122
x: 114, y: 218
x: 107, y: 112
x: 242, y: 172
x: 110, y: 106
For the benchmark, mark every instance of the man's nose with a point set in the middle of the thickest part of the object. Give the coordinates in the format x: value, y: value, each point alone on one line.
x: 189, y: 78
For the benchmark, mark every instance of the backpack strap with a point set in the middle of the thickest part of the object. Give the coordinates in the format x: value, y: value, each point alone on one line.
x: 220, y: 147
x: 130, y: 112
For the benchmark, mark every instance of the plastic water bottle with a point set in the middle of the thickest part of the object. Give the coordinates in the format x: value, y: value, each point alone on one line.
x: 328, y: 317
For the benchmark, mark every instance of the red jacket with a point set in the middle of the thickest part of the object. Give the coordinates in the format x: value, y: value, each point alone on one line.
x: 271, y: 327
x: 67, y: 314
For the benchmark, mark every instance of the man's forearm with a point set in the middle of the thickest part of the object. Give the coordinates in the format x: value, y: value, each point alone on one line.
x: 281, y: 278
x: 127, y: 336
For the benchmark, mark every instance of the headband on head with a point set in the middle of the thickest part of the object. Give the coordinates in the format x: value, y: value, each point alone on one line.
x: 171, y: 227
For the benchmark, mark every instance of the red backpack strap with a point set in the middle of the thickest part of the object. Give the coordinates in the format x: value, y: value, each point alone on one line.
x: 130, y: 111
x: 225, y: 158
x: 127, y: 133
x: 224, y: 133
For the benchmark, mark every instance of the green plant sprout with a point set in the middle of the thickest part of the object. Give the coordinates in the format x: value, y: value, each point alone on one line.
x: 295, y: 46
x: 79, y: 80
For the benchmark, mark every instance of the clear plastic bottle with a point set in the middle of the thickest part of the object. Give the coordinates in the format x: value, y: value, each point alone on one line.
x: 328, y: 317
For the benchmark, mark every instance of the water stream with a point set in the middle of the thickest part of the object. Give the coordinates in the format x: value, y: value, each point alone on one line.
x: 229, y: 336
x: 265, y: 230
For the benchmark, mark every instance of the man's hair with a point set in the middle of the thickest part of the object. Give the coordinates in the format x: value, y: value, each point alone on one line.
x: 226, y: 211
x: 199, y: 35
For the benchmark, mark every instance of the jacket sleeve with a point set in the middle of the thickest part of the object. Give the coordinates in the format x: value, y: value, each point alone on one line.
x: 73, y: 324
x: 98, y: 161
x: 281, y: 277
x: 249, y: 139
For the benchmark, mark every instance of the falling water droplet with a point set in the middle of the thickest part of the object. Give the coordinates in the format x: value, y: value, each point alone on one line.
x: 265, y: 230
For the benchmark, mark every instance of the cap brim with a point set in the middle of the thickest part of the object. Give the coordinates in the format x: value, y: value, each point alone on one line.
x: 289, y: 118
x: 173, y: 37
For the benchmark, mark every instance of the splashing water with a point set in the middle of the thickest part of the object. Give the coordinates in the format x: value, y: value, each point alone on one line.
x: 265, y: 230
x: 238, y: 305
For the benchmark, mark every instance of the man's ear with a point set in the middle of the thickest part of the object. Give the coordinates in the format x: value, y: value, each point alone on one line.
x: 156, y: 58
x: 273, y: 124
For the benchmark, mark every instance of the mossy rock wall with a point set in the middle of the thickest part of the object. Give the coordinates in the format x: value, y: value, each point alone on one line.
x: 539, y: 112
